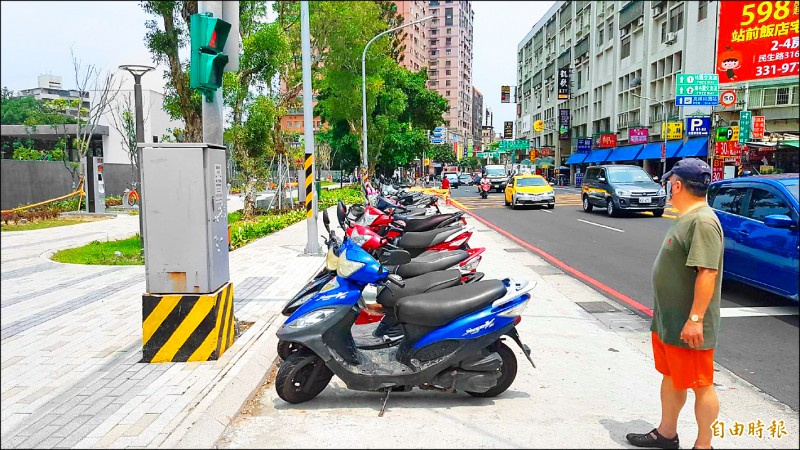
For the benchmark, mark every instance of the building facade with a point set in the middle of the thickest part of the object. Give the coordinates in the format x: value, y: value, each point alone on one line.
x: 50, y: 88
x: 622, y: 59
x: 415, y: 45
x: 450, y: 36
x: 477, y: 119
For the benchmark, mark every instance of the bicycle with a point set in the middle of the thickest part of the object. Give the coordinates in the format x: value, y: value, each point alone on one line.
x: 130, y: 197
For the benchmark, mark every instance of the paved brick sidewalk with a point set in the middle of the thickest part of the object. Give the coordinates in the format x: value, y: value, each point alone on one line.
x: 71, y: 344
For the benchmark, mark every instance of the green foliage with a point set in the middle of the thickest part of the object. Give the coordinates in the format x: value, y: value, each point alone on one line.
x: 97, y: 252
x: 32, y: 112
x: 494, y: 145
x: 39, y: 224
x: 470, y: 163
x: 442, y: 153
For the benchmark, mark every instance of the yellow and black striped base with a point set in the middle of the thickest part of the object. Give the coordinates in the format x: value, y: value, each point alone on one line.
x: 309, y: 184
x: 179, y: 328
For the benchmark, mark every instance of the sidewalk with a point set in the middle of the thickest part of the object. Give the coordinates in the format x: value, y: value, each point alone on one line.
x: 593, y: 383
x: 72, y: 342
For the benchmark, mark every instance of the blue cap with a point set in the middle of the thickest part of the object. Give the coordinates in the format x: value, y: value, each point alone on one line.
x: 691, y: 169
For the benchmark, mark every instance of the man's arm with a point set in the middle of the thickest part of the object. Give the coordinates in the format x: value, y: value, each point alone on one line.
x: 704, y: 285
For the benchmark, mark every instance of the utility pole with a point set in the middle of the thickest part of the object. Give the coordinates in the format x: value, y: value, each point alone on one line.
x: 312, y: 247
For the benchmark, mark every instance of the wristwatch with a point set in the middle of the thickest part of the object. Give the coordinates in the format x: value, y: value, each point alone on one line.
x: 695, y: 318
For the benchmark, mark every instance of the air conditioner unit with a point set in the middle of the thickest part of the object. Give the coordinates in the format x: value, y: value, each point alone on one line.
x: 671, y: 38
x: 623, y: 32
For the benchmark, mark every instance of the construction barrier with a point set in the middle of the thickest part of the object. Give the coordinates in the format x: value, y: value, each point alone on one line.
x: 71, y: 194
x: 192, y: 327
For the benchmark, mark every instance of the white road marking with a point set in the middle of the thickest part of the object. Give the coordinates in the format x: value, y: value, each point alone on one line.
x: 759, y: 311
x: 600, y: 225
x: 547, y: 211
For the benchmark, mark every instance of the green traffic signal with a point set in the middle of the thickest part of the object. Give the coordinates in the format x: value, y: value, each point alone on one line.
x: 208, y: 36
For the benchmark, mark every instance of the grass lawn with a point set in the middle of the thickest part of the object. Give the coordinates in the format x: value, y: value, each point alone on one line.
x: 97, y: 252
x: 47, y: 223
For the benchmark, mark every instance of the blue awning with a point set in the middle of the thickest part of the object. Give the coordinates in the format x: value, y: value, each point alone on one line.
x: 597, y: 156
x: 576, y: 158
x: 625, y: 153
x: 653, y: 150
x: 693, y: 148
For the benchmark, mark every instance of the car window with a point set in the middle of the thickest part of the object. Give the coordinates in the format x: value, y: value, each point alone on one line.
x: 793, y: 187
x: 765, y: 203
x: 628, y: 175
x: 523, y: 182
x: 591, y: 174
x: 602, y: 173
x: 729, y: 199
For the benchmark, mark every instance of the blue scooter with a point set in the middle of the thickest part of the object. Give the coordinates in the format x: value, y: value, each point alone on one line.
x: 452, y: 338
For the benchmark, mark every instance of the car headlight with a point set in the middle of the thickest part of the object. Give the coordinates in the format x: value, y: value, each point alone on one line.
x: 312, y: 318
x: 662, y: 191
x: 347, y: 267
x: 623, y: 193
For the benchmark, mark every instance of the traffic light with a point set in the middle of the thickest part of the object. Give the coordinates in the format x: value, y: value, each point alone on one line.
x: 208, y: 36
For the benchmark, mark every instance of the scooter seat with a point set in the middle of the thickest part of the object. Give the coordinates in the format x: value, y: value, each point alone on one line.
x: 424, y: 239
x: 429, y: 262
x: 431, y: 222
x: 428, y: 282
x: 437, y: 308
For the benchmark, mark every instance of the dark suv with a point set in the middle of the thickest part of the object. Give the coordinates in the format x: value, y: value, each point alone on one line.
x: 622, y: 187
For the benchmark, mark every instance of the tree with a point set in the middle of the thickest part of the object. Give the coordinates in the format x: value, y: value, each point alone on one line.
x: 442, y: 153
x: 470, y: 163
x: 180, y: 101
x: 123, y: 119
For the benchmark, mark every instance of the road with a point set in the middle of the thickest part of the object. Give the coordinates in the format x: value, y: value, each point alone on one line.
x: 758, y: 339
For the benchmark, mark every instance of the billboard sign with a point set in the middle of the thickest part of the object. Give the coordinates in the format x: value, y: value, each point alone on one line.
x: 637, y: 135
x: 727, y: 149
x: 508, y: 130
x: 698, y: 126
x: 757, y: 40
x: 745, y: 123
x: 584, y: 145
x: 672, y: 130
x: 608, y: 140
x: 759, y: 126
x: 505, y: 94
x: 563, y: 83
x: 563, y: 123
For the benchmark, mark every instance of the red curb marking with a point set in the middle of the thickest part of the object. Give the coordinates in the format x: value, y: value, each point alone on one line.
x: 575, y: 272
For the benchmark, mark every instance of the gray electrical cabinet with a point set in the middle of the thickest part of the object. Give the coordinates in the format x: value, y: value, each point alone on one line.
x: 185, y: 217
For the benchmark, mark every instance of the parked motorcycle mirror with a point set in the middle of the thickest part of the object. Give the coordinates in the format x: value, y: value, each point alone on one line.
x: 396, y: 257
x: 341, y: 213
x: 326, y: 220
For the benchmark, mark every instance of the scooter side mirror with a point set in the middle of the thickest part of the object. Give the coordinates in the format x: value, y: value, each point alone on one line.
x: 341, y: 213
x: 326, y: 220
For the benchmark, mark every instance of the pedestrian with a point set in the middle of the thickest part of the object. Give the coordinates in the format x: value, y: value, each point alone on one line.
x: 687, y: 282
x: 445, y: 183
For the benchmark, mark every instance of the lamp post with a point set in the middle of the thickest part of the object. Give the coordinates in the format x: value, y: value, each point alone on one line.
x: 664, y: 109
x: 137, y: 72
x: 364, y: 84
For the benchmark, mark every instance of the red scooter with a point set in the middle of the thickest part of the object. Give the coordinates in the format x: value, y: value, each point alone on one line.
x: 485, y: 186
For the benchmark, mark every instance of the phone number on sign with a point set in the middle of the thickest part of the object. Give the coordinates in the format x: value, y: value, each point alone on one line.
x: 774, y: 69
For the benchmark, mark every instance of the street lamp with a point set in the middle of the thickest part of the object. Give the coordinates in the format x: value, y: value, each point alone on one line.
x: 364, y: 82
x: 137, y: 71
x: 664, y: 120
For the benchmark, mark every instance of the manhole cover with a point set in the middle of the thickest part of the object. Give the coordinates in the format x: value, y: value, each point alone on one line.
x: 514, y: 250
x: 597, y: 307
x: 547, y: 270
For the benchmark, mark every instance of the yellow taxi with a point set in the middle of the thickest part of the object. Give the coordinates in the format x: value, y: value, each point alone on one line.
x: 529, y: 190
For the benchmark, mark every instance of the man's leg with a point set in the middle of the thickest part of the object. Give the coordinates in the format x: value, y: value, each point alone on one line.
x: 672, y: 401
x: 706, y: 410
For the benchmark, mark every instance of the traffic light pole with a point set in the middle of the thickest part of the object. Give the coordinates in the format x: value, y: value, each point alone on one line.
x: 213, y: 123
x: 312, y: 247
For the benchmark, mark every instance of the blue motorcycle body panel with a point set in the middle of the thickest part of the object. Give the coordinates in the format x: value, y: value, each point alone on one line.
x: 344, y: 293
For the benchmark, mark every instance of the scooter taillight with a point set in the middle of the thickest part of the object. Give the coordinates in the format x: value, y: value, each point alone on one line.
x: 517, y: 320
x: 470, y: 265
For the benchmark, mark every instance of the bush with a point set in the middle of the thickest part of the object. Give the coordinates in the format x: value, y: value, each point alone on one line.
x: 113, y: 201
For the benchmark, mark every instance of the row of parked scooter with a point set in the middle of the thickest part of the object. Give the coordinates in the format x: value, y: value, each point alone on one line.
x: 399, y: 304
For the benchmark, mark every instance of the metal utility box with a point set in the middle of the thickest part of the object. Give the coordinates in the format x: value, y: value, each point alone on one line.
x: 185, y: 217
x: 95, y: 187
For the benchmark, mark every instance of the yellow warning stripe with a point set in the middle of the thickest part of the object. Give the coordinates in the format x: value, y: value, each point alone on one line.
x: 209, y: 344
x: 156, y: 318
x: 185, y: 329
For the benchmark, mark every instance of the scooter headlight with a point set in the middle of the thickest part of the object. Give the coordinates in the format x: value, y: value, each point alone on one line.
x: 312, y: 318
x: 331, y: 260
x: 347, y: 267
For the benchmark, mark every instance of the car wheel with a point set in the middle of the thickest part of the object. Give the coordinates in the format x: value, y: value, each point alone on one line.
x: 658, y: 213
x: 551, y: 205
x: 610, y: 209
x: 504, y: 200
x: 587, y: 205
x: 514, y: 202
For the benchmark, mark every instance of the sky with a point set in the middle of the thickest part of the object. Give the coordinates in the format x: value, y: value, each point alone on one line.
x: 36, y: 37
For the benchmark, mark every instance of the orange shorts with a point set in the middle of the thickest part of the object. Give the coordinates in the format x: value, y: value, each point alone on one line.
x: 688, y: 368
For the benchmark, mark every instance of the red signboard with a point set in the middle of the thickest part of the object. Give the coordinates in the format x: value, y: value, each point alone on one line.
x: 605, y: 141
x: 759, y: 124
x: 758, y: 40
x: 729, y: 149
x: 637, y: 135
x: 717, y: 169
x: 546, y: 151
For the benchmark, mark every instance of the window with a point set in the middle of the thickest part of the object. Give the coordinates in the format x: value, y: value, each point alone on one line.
x: 702, y: 10
x: 448, y: 41
x: 599, y: 36
x: 449, y: 31
x: 728, y: 200
x: 448, y: 17
x: 155, y: 139
x: 782, y: 96
x: 434, y: 31
x: 765, y: 203
x: 296, y: 124
x: 626, y: 47
x: 448, y: 51
x: 676, y: 19
x: 288, y: 124
x: 663, y: 32
x: 447, y: 82
x: 433, y: 3
x: 447, y: 63
x: 434, y: 42
x: 447, y: 94
x: 433, y: 52
x: 448, y: 72
x: 610, y: 30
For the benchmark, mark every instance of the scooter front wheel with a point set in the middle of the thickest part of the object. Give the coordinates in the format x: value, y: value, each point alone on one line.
x: 301, y: 377
x: 287, y: 348
x: 508, y: 371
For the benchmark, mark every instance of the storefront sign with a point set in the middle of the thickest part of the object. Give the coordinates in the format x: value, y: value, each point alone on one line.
x: 757, y: 40
x: 584, y: 145
x: 546, y: 151
x: 698, y: 126
x: 563, y: 83
x: 717, y: 169
x: 725, y: 134
x: 727, y: 149
x: 563, y: 123
x: 672, y: 130
x: 508, y: 130
x: 605, y: 141
x: 759, y: 125
x: 637, y: 135
x: 745, y: 122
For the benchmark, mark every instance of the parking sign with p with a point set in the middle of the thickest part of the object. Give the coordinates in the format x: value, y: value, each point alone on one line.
x: 698, y: 126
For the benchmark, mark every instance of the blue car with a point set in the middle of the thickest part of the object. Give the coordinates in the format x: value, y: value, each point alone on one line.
x: 759, y: 217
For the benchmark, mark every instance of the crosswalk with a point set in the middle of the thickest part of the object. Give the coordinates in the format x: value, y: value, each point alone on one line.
x: 563, y: 200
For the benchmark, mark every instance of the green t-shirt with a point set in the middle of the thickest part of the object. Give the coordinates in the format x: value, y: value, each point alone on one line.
x: 694, y: 240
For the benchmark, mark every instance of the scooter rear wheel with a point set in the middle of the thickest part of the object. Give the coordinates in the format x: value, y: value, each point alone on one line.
x: 301, y: 377
x: 508, y: 371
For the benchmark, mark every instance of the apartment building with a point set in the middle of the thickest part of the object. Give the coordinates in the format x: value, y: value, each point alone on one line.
x: 50, y: 88
x: 450, y: 37
x: 622, y: 59
x: 415, y: 45
x: 477, y: 118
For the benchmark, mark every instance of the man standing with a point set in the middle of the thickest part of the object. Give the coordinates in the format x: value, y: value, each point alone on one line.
x: 687, y: 282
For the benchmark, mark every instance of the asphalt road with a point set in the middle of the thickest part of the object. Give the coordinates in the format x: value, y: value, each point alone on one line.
x: 759, y: 345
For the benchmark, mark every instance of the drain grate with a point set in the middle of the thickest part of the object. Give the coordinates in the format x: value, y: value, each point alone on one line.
x: 597, y: 307
x: 546, y: 270
x: 514, y: 250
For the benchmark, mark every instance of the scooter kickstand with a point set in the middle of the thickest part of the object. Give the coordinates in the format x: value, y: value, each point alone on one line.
x: 385, y: 399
